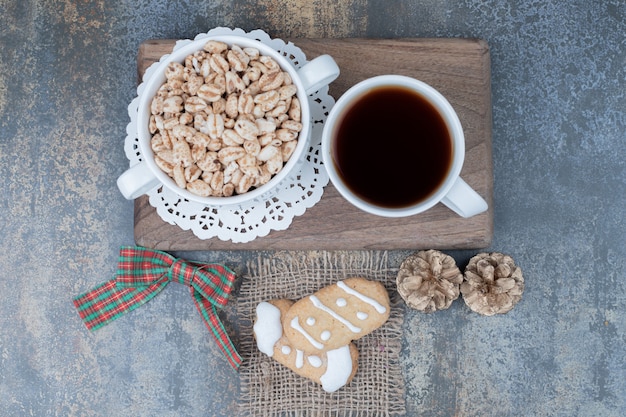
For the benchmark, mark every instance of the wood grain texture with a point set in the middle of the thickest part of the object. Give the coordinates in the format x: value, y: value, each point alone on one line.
x: 458, y: 68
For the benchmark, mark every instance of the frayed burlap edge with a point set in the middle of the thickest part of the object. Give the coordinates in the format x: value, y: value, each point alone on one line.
x: 270, y: 389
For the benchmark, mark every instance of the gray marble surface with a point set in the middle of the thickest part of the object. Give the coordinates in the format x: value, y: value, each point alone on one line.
x: 67, y: 73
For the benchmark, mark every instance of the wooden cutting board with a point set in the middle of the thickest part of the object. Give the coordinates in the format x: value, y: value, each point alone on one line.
x: 458, y: 68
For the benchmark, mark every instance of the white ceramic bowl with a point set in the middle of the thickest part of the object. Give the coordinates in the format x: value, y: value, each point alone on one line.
x: 145, y: 176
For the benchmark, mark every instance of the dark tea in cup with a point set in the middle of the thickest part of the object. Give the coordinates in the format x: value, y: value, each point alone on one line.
x: 391, y: 147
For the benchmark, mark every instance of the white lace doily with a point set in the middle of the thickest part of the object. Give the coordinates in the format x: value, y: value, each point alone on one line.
x: 300, y: 192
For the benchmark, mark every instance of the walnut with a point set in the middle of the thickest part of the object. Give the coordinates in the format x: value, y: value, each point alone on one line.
x: 493, y: 284
x: 429, y: 281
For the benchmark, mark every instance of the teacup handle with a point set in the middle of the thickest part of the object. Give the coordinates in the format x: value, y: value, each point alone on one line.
x: 136, y: 181
x: 463, y: 200
x: 318, y: 73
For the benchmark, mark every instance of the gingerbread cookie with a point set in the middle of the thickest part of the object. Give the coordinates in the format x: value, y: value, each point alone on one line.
x: 332, y: 369
x: 336, y: 315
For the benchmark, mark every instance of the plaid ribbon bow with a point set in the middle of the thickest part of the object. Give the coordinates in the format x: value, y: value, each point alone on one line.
x: 142, y: 273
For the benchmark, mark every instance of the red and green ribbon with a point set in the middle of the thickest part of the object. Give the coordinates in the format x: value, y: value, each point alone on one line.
x: 142, y: 273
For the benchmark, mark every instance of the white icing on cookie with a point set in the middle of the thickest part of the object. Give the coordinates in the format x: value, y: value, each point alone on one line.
x: 379, y: 307
x: 310, y: 321
x: 361, y: 315
x: 267, y: 328
x: 286, y: 350
x: 341, y: 302
x: 296, y: 326
x: 325, y: 335
x: 314, y: 361
x: 299, y: 358
x: 317, y: 303
x: 338, y: 369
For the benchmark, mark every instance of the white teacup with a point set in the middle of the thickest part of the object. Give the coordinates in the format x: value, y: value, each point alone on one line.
x: 146, y: 175
x: 365, y: 152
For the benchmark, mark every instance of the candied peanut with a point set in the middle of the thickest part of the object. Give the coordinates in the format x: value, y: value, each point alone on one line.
x: 252, y: 147
x: 264, y: 176
x: 247, y: 160
x: 178, y: 174
x: 251, y: 170
x: 253, y: 74
x: 257, y: 112
x: 275, y: 163
x: 234, y: 82
x: 231, y: 106
x: 210, y: 162
x: 228, y: 190
x: 271, y: 81
x: 193, y: 84
x: 280, y: 109
x: 183, y: 132
x: 219, y: 64
x: 219, y: 106
x: 267, y: 153
x: 170, y: 123
x: 174, y: 71
x: 291, y: 125
x: 253, y: 53
x: 167, y: 155
x: 266, y: 125
x: 288, y: 80
x: 214, y: 145
x: 195, y: 104
x: 244, y: 184
x: 156, y: 106
x: 269, y: 63
x: 267, y: 100
x: 199, y: 187
x: 217, y: 182
x: 215, y: 124
x: 163, y: 164
x: 166, y: 138
x: 215, y: 47
x: 246, y: 129
x: 198, y: 152
x: 253, y: 88
x: 230, y: 154
x: 234, y: 178
x: 287, y: 91
x: 210, y: 92
x: 173, y: 104
x: 152, y: 125
x: 267, y: 138
x: 192, y: 173
x: 174, y: 85
x: 287, y: 149
x: 286, y: 135
x: 156, y: 143
x: 230, y: 170
x: 206, y: 176
x: 231, y: 138
x: 295, y: 110
x: 205, y: 68
x: 185, y: 119
x: 182, y: 153
x: 245, y: 103
x: 229, y: 123
x: 237, y: 59
x: 200, y: 139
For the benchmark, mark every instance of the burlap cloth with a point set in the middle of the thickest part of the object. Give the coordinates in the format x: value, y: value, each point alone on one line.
x: 269, y: 389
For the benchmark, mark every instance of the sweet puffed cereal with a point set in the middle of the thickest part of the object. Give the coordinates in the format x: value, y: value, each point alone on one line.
x: 224, y: 107
x: 336, y: 315
x: 332, y: 369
